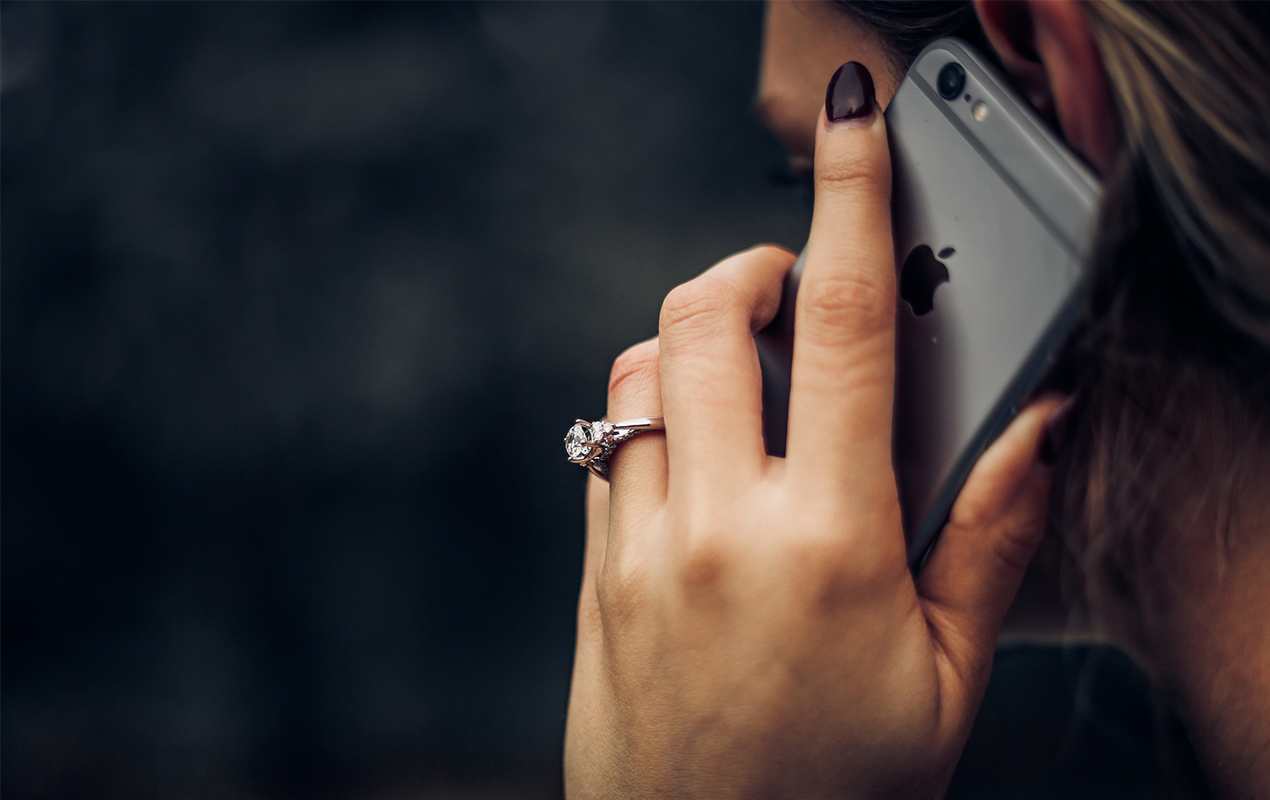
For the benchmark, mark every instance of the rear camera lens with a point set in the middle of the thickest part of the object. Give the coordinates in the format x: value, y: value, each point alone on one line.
x: 952, y: 78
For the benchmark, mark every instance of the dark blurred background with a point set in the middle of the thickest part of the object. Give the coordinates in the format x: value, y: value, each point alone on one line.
x: 297, y: 303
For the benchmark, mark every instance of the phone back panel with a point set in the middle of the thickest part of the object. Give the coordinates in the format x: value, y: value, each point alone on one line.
x: 1006, y: 210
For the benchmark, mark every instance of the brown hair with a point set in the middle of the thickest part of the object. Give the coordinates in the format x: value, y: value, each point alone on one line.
x: 1174, y: 356
x: 1172, y: 361
x: 905, y: 28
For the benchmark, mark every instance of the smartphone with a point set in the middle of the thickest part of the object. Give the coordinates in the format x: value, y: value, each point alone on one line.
x: 992, y: 217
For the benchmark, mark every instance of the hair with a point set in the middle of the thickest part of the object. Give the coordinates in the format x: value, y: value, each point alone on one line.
x: 905, y: 28
x: 1171, y: 363
x: 1174, y: 354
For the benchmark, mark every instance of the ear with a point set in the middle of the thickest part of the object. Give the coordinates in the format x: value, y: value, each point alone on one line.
x: 1048, y: 49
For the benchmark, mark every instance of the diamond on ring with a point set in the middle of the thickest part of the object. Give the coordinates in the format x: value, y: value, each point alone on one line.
x: 582, y: 442
x: 589, y: 444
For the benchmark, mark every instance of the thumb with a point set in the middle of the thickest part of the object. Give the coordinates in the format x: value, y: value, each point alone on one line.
x: 997, y: 522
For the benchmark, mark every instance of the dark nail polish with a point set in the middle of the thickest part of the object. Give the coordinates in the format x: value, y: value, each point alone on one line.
x: 850, y: 93
x: 1058, y: 433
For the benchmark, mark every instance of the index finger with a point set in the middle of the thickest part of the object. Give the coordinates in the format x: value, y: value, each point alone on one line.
x: 843, y: 374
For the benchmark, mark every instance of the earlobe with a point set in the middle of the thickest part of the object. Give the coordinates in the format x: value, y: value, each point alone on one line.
x: 1048, y: 49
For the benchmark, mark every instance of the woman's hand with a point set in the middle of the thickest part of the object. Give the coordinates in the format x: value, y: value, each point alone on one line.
x: 748, y: 625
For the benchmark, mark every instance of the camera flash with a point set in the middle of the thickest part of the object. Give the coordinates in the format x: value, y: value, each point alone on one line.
x: 979, y: 111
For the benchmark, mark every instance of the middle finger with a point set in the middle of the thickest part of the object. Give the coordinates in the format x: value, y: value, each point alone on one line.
x: 711, y: 383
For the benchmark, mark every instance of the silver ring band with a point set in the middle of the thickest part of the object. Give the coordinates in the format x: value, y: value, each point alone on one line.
x: 589, y: 444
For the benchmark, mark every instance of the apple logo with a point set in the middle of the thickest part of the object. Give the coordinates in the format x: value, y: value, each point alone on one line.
x: 920, y: 277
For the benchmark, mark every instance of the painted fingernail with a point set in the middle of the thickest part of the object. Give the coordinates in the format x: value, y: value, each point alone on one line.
x: 850, y: 93
x: 1058, y: 433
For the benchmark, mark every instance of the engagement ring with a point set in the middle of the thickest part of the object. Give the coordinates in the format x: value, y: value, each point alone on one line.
x: 589, y: 444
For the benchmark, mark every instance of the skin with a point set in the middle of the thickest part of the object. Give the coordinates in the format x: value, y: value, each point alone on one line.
x: 747, y: 625
x: 1210, y: 636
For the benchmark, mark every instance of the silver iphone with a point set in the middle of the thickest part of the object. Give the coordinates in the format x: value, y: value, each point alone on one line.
x: 992, y: 218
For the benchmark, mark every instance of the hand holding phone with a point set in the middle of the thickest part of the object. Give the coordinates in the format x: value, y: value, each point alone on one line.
x: 748, y: 622
x: 991, y: 219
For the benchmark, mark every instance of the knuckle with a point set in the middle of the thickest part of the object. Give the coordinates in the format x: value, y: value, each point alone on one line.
x: 851, y: 171
x: 1014, y: 540
x: 852, y: 301
x: 838, y: 584
x: 1015, y: 548
x: 637, y: 364
x: 707, y: 561
x: 839, y: 568
x: 831, y: 576
x: 694, y: 308
x: 774, y: 252
x: 969, y: 513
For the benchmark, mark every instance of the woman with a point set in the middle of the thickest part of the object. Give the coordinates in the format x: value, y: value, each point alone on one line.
x: 747, y: 625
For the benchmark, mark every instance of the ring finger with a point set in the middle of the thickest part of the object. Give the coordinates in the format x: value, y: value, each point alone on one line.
x: 637, y: 469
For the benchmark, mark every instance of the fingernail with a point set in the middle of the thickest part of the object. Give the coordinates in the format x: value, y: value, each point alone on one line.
x: 1058, y: 432
x: 850, y: 93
